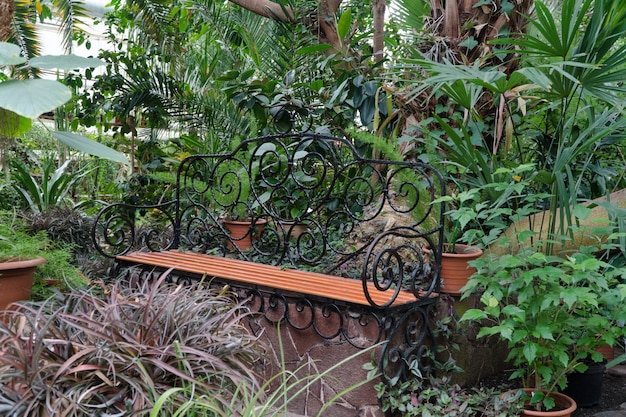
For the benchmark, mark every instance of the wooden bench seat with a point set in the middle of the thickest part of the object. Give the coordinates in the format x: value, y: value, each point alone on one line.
x: 253, y: 274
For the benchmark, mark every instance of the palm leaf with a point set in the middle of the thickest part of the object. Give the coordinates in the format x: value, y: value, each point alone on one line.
x: 72, y: 15
x: 24, y: 33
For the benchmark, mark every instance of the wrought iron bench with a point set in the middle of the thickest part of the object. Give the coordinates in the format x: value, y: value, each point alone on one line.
x: 333, y: 236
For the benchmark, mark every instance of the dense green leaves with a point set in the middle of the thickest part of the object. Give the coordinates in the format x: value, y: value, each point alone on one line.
x: 552, y: 311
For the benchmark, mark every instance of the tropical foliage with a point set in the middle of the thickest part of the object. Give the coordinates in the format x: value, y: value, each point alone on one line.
x: 117, y: 353
x: 515, y: 100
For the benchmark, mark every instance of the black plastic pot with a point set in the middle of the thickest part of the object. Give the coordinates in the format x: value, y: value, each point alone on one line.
x: 586, y: 387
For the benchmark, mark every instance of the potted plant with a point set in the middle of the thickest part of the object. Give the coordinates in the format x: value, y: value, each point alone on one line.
x: 236, y: 199
x: 478, y: 223
x: 455, y: 258
x: 20, y: 254
x: 288, y: 183
x: 31, y: 263
x: 549, y: 309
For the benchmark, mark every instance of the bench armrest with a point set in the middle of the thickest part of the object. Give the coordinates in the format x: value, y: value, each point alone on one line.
x: 120, y: 228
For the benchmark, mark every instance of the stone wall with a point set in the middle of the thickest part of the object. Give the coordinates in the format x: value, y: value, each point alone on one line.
x: 478, y: 358
x: 308, y: 354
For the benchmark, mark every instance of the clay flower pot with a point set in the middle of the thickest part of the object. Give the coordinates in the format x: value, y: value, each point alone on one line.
x: 564, y: 406
x: 16, y: 280
x: 240, y: 232
x: 294, y: 230
x: 454, y: 268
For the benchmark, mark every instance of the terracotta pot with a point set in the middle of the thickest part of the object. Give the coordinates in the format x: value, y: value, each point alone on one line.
x: 608, y: 352
x: 240, y: 232
x: 454, y: 268
x: 16, y: 280
x: 564, y: 406
x: 294, y: 229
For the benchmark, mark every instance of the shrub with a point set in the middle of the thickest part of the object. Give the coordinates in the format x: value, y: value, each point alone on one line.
x: 438, y: 397
x: 90, y: 353
x: 63, y: 224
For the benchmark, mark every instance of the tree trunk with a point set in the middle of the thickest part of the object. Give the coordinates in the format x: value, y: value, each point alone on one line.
x: 7, y: 8
x: 321, y: 21
x: 379, y: 29
x: 474, y: 26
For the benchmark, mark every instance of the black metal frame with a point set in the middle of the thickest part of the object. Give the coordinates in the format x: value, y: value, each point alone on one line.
x: 323, y: 182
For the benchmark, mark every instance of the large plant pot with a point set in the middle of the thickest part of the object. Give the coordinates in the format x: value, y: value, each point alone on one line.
x: 241, y: 233
x: 454, y: 268
x: 586, y: 387
x: 564, y: 406
x: 16, y: 280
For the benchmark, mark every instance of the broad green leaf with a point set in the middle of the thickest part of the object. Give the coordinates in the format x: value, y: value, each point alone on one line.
x: 474, y: 314
x: 503, y: 332
x: 264, y: 148
x: 90, y: 147
x: 65, y: 62
x: 299, y: 155
x: 561, y: 357
x: 10, y: 54
x: 569, y: 297
x: 530, y: 352
x: 30, y: 98
x: 519, y: 335
x: 543, y: 331
x: 514, y: 312
x: 546, y: 372
x: 344, y: 24
x: 12, y: 124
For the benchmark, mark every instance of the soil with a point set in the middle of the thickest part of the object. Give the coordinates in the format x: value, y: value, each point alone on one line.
x: 612, y: 402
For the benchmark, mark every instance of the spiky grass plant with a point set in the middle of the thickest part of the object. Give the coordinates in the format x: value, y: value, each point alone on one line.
x: 90, y: 353
x: 271, y: 399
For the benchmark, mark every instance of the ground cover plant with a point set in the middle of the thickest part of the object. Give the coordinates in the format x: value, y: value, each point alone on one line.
x: 114, y: 351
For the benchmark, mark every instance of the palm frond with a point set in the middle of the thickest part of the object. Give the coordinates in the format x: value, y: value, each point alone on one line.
x: 71, y: 15
x: 24, y: 33
x: 409, y: 15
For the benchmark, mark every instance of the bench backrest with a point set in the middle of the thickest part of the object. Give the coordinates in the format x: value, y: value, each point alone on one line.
x: 315, y: 204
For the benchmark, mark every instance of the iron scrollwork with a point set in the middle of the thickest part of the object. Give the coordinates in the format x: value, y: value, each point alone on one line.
x: 315, y: 204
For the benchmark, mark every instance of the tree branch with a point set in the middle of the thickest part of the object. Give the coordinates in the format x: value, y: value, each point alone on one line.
x: 267, y: 8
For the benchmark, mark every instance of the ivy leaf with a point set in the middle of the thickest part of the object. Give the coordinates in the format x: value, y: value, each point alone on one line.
x: 507, y: 7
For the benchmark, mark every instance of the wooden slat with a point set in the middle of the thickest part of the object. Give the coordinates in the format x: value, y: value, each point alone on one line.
x: 304, y: 282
